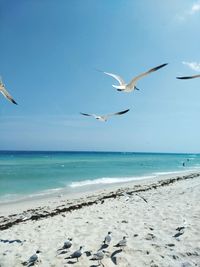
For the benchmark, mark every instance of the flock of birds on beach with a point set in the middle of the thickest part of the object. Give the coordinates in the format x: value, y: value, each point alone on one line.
x: 122, y: 87
x: 98, y: 256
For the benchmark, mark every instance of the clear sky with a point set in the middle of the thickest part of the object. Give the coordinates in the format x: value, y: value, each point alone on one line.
x: 49, y: 51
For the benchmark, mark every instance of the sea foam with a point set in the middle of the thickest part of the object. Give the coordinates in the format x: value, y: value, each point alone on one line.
x: 108, y: 180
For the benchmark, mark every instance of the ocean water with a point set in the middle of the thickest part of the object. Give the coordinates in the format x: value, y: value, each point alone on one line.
x: 29, y: 174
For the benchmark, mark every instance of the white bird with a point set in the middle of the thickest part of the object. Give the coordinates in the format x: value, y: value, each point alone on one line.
x: 107, y: 239
x: 124, y: 87
x: 122, y: 243
x: 99, y: 256
x: 105, y: 117
x: 5, y: 92
x: 77, y: 254
x: 188, y: 77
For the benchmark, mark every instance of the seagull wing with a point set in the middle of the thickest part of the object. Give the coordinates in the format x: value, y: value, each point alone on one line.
x: 116, y: 77
x: 135, y: 79
x: 86, y: 114
x: 92, y: 115
x: 121, y: 112
x: 7, y: 95
x: 188, y: 77
x: 113, y: 114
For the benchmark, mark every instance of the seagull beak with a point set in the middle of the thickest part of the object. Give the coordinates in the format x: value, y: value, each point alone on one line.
x: 137, y: 88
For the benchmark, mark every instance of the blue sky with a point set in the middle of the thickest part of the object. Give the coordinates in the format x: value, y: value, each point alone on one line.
x: 50, y: 49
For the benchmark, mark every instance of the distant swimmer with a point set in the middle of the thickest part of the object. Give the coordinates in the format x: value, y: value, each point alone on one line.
x: 183, y: 164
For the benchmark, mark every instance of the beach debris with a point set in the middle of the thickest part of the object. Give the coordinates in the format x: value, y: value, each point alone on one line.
x: 99, y: 256
x: 150, y: 236
x: 142, y: 198
x: 124, y: 221
x: 170, y: 245
x: 126, y: 195
x: 76, y: 254
x: 124, y: 87
x: 11, y: 241
x: 122, y: 243
x: 178, y: 234
x: 180, y: 229
x: 32, y: 260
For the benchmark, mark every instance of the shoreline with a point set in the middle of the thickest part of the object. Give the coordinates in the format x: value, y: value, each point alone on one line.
x: 159, y: 217
x: 50, y: 206
x: 71, y: 191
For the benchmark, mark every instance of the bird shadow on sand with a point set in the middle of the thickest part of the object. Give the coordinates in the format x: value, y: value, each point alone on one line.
x: 88, y: 253
x: 113, y: 256
x: 103, y: 247
x: 72, y: 262
x: 97, y: 265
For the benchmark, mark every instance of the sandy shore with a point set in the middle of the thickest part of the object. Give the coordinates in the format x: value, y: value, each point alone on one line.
x: 149, y: 217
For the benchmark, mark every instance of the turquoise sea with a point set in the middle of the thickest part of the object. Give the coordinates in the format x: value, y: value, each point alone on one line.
x: 28, y: 174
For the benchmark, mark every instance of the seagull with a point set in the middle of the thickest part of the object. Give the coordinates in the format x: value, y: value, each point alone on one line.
x: 107, y: 239
x: 188, y: 77
x: 99, y: 256
x: 32, y: 260
x: 104, y: 117
x: 5, y: 92
x: 124, y: 87
x: 77, y: 254
x: 67, y: 244
x: 122, y: 243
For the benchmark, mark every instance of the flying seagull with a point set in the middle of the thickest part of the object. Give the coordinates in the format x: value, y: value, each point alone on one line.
x: 104, y: 117
x: 188, y: 77
x: 5, y: 92
x: 129, y: 87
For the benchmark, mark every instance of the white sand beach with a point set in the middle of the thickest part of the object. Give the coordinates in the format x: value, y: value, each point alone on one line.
x: 148, y: 214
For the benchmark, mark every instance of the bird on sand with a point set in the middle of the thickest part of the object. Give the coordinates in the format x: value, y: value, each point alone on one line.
x: 5, y: 93
x: 122, y: 243
x: 107, y: 239
x: 188, y: 77
x: 67, y: 244
x: 32, y: 260
x: 129, y: 87
x: 106, y: 116
x: 99, y: 256
x: 76, y: 254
